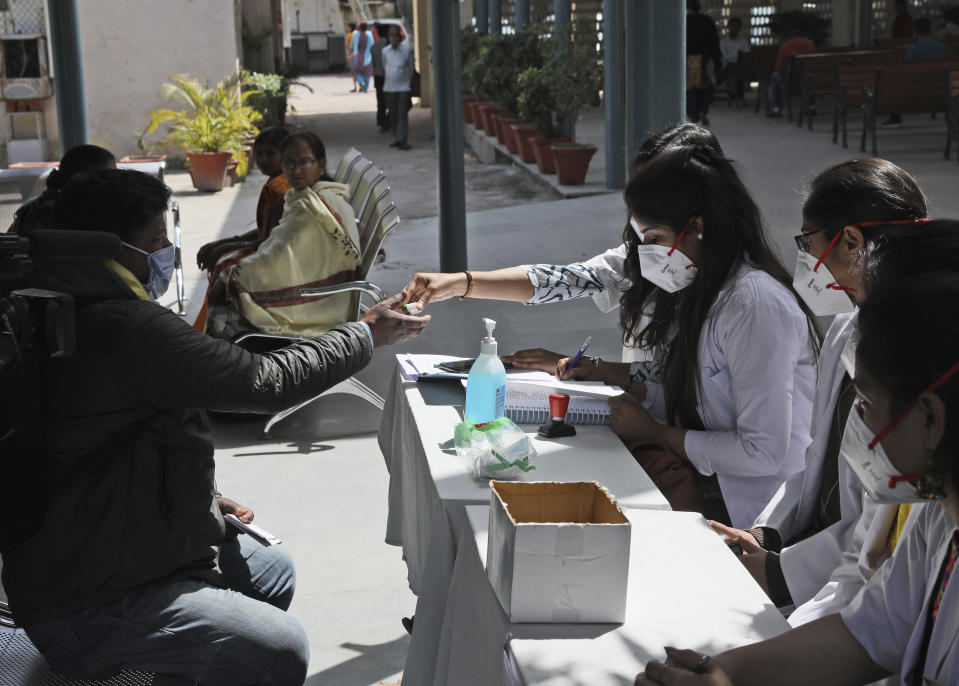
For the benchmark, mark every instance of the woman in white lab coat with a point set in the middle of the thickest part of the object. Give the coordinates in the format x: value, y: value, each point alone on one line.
x: 849, y: 209
x: 729, y: 388
x: 901, y: 442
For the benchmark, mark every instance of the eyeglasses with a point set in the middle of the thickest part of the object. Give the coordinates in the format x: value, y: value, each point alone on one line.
x: 302, y: 163
x: 802, y: 240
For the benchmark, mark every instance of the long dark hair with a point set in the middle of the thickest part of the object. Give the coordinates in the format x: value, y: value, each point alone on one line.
x: 862, y: 190
x: 679, y: 184
x: 908, y: 339
x: 312, y: 140
x: 77, y: 160
x: 906, y: 251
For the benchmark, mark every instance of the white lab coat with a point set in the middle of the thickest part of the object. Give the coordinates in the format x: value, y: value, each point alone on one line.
x: 793, y: 507
x: 888, y: 616
x: 866, y: 550
x: 758, y: 377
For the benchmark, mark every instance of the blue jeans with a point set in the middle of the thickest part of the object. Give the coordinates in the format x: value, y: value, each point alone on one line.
x: 191, y: 629
x: 775, y: 91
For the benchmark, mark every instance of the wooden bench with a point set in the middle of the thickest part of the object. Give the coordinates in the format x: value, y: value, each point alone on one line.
x: 815, y: 74
x: 897, y: 88
x: 951, y: 43
x: 952, y: 110
x: 851, y: 82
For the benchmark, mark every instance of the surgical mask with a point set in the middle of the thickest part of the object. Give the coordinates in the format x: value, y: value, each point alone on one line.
x: 160, y: 265
x: 879, y: 477
x: 817, y: 286
x: 667, y: 268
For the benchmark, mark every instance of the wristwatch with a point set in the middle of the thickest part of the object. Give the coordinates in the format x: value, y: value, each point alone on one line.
x: 594, y: 360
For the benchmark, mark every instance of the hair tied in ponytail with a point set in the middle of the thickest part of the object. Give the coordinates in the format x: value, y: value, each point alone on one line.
x: 55, y: 180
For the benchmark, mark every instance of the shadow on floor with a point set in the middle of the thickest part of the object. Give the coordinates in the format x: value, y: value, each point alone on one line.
x: 364, y: 669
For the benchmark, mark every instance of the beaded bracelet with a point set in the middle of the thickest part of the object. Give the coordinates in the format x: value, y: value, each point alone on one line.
x: 469, y: 285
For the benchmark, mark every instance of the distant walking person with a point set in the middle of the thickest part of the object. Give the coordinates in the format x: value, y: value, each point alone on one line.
x: 902, y: 26
x: 398, y: 69
x: 362, y: 65
x: 379, y: 76
x: 349, y: 52
x: 703, y: 61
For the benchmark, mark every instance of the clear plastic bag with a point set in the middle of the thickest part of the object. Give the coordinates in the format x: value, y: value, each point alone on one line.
x: 496, y: 450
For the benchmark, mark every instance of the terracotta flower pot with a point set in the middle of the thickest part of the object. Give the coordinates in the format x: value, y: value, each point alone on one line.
x: 488, y: 119
x: 524, y: 136
x: 503, y: 133
x: 512, y: 142
x: 572, y: 161
x: 543, y: 153
x: 479, y: 112
x: 208, y: 169
x: 467, y: 110
x: 230, y: 178
x: 142, y: 158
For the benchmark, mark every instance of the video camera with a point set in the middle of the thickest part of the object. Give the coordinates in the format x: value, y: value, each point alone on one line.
x: 35, y: 320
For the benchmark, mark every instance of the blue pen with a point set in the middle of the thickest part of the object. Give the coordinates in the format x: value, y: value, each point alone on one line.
x: 579, y: 355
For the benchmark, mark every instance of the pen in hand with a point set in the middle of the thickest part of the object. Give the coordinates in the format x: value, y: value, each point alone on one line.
x: 578, y: 356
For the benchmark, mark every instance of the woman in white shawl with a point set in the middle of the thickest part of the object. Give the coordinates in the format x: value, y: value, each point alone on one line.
x: 315, y: 244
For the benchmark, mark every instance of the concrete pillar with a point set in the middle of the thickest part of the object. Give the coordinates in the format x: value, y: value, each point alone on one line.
x: 521, y: 18
x: 68, y: 66
x: 495, y: 16
x: 843, y: 23
x: 448, y: 118
x: 563, y: 11
x: 655, y: 69
x: 614, y: 91
x: 482, y: 16
x: 421, y: 51
x: 864, y: 37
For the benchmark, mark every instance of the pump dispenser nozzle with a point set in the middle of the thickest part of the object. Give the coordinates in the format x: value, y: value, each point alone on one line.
x: 488, y: 344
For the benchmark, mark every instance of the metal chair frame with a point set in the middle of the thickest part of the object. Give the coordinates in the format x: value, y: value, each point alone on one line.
x: 346, y: 163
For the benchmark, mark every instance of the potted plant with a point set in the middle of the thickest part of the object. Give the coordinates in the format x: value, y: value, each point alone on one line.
x: 537, y: 104
x: 469, y: 48
x: 575, y: 78
x: 146, y: 150
x: 212, y: 128
x: 269, y: 94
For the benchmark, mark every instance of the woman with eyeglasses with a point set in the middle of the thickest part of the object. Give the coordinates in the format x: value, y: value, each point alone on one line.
x: 900, y: 441
x: 315, y: 244
x: 728, y: 387
x: 804, y: 547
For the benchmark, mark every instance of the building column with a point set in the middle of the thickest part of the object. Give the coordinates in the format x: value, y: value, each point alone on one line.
x: 614, y: 96
x: 562, y: 12
x: 843, y: 23
x: 495, y: 16
x: 482, y: 16
x: 421, y: 51
x: 655, y: 69
x: 521, y: 17
x: 448, y: 119
x: 68, y: 67
x: 864, y: 37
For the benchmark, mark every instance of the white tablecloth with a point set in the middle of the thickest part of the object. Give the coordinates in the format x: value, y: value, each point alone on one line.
x: 686, y: 589
x: 430, y: 489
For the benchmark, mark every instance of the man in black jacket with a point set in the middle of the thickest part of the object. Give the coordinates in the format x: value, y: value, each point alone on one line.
x: 117, y: 564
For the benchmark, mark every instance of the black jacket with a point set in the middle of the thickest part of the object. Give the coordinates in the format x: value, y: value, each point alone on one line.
x: 127, y: 454
x: 702, y: 38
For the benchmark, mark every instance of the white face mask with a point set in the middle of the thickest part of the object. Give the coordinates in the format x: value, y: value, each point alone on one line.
x: 818, y: 288
x: 668, y: 268
x: 875, y: 471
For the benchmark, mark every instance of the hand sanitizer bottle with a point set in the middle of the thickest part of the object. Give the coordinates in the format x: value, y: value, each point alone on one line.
x: 486, y: 384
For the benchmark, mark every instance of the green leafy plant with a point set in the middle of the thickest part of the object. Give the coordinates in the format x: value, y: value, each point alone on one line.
x: 269, y: 93
x: 216, y: 119
x: 537, y: 102
x: 469, y: 48
x: 493, y: 73
x: 574, y: 68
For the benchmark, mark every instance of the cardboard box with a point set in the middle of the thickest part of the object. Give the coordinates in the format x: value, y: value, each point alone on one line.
x: 558, y: 552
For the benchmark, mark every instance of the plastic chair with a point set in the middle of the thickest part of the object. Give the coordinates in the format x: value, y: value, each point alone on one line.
x: 363, y: 190
x: 346, y: 163
x: 355, y: 172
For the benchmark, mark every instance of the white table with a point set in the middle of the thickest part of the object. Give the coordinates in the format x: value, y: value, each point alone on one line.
x: 686, y: 589
x: 430, y: 490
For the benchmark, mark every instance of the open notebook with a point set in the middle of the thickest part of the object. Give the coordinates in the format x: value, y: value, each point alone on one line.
x: 529, y: 404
